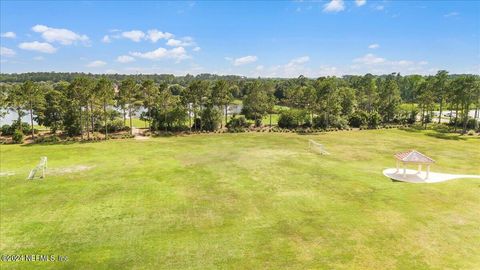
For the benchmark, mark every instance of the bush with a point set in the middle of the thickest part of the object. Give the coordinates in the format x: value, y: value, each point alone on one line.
x: 374, y: 119
x: 358, y: 119
x: 7, y: 130
x: 412, y: 117
x: 471, y: 132
x: 237, y: 124
x: 211, y: 118
x: 115, y: 126
x: 287, y: 119
x: 17, y: 136
x: 50, y: 139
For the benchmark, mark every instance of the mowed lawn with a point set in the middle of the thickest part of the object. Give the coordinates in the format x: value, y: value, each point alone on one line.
x: 242, y: 201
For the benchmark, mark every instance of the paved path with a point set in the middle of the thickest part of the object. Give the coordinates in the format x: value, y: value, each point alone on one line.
x: 138, y: 134
x: 412, y: 176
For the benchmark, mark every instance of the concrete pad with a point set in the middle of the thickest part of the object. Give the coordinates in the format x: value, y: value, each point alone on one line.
x: 412, y: 176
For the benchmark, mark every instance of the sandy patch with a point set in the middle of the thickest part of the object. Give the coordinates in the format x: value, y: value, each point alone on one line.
x: 5, y: 174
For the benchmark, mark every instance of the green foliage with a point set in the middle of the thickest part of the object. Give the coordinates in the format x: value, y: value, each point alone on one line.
x: 237, y: 124
x: 211, y: 118
x: 17, y: 136
x: 115, y: 126
x: 358, y: 119
x: 292, y: 118
x: 258, y: 102
x: 374, y: 119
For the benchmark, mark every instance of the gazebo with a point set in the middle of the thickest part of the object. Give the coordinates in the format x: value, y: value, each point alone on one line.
x: 413, y: 156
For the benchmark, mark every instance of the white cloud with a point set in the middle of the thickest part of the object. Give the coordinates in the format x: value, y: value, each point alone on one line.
x: 178, y: 53
x: 451, y: 14
x: 42, y: 47
x: 154, y: 35
x: 125, y: 59
x: 6, y: 52
x: 378, y: 65
x: 63, y: 36
x: 185, y: 42
x: 360, y: 3
x: 379, y: 7
x: 96, y: 63
x: 369, y: 59
x: 373, y: 46
x: 245, y: 60
x: 299, y: 61
x: 293, y: 68
x: 8, y: 35
x: 196, y: 49
x: 106, y: 39
x: 134, y: 35
x: 111, y: 71
x: 39, y: 58
x: 328, y: 71
x: 334, y: 6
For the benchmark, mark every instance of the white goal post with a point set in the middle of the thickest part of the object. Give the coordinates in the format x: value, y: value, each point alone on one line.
x: 42, y: 166
x: 317, y: 147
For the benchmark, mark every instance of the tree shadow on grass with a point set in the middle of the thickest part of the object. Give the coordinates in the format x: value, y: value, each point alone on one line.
x: 446, y: 136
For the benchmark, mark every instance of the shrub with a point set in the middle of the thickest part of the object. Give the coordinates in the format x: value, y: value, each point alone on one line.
x: 287, y: 119
x: 258, y: 122
x: 211, y: 118
x: 358, y: 119
x: 471, y: 132
x: 115, y: 126
x: 7, y: 130
x: 17, y: 136
x: 374, y: 119
x: 412, y: 117
x: 50, y: 139
x: 237, y: 124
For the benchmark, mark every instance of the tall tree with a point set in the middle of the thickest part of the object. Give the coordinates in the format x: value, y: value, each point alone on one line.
x: 256, y: 103
x: 221, y: 96
x: 129, y: 95
x: 150, y: 93
x: 328, y: 98
x: 16, y: 102
x: 389, y: 98
x: 441, y: 88
x: 32, y: 93
x: 426, y: 98
x: 105, y: 92
x: 196, y: 95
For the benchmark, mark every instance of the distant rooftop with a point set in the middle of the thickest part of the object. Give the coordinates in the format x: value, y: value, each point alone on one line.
x: 413, y: 156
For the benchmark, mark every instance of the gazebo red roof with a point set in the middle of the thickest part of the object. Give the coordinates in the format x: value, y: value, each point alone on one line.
x: 413, y: 156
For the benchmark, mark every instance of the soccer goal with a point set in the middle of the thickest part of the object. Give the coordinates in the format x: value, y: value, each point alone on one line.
x: 317, y: 147
x: 41, y: 167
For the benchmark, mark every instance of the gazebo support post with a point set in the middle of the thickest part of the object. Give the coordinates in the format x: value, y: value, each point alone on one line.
x: 419, y: 168
x: 404, y: 170
x: 428, y: 171
x: 398, y: 166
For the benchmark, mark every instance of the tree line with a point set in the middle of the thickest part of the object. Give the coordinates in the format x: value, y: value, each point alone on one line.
x: 85, y: 105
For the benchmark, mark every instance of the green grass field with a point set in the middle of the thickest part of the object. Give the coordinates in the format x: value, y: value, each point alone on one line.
x: 242, y: 201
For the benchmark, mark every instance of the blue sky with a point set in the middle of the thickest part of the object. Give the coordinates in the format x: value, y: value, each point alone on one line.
x: 274, y: 39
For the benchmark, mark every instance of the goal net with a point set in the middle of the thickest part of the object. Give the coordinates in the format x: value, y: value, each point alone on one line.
x: 317, y: 147
x: 41, y: 167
